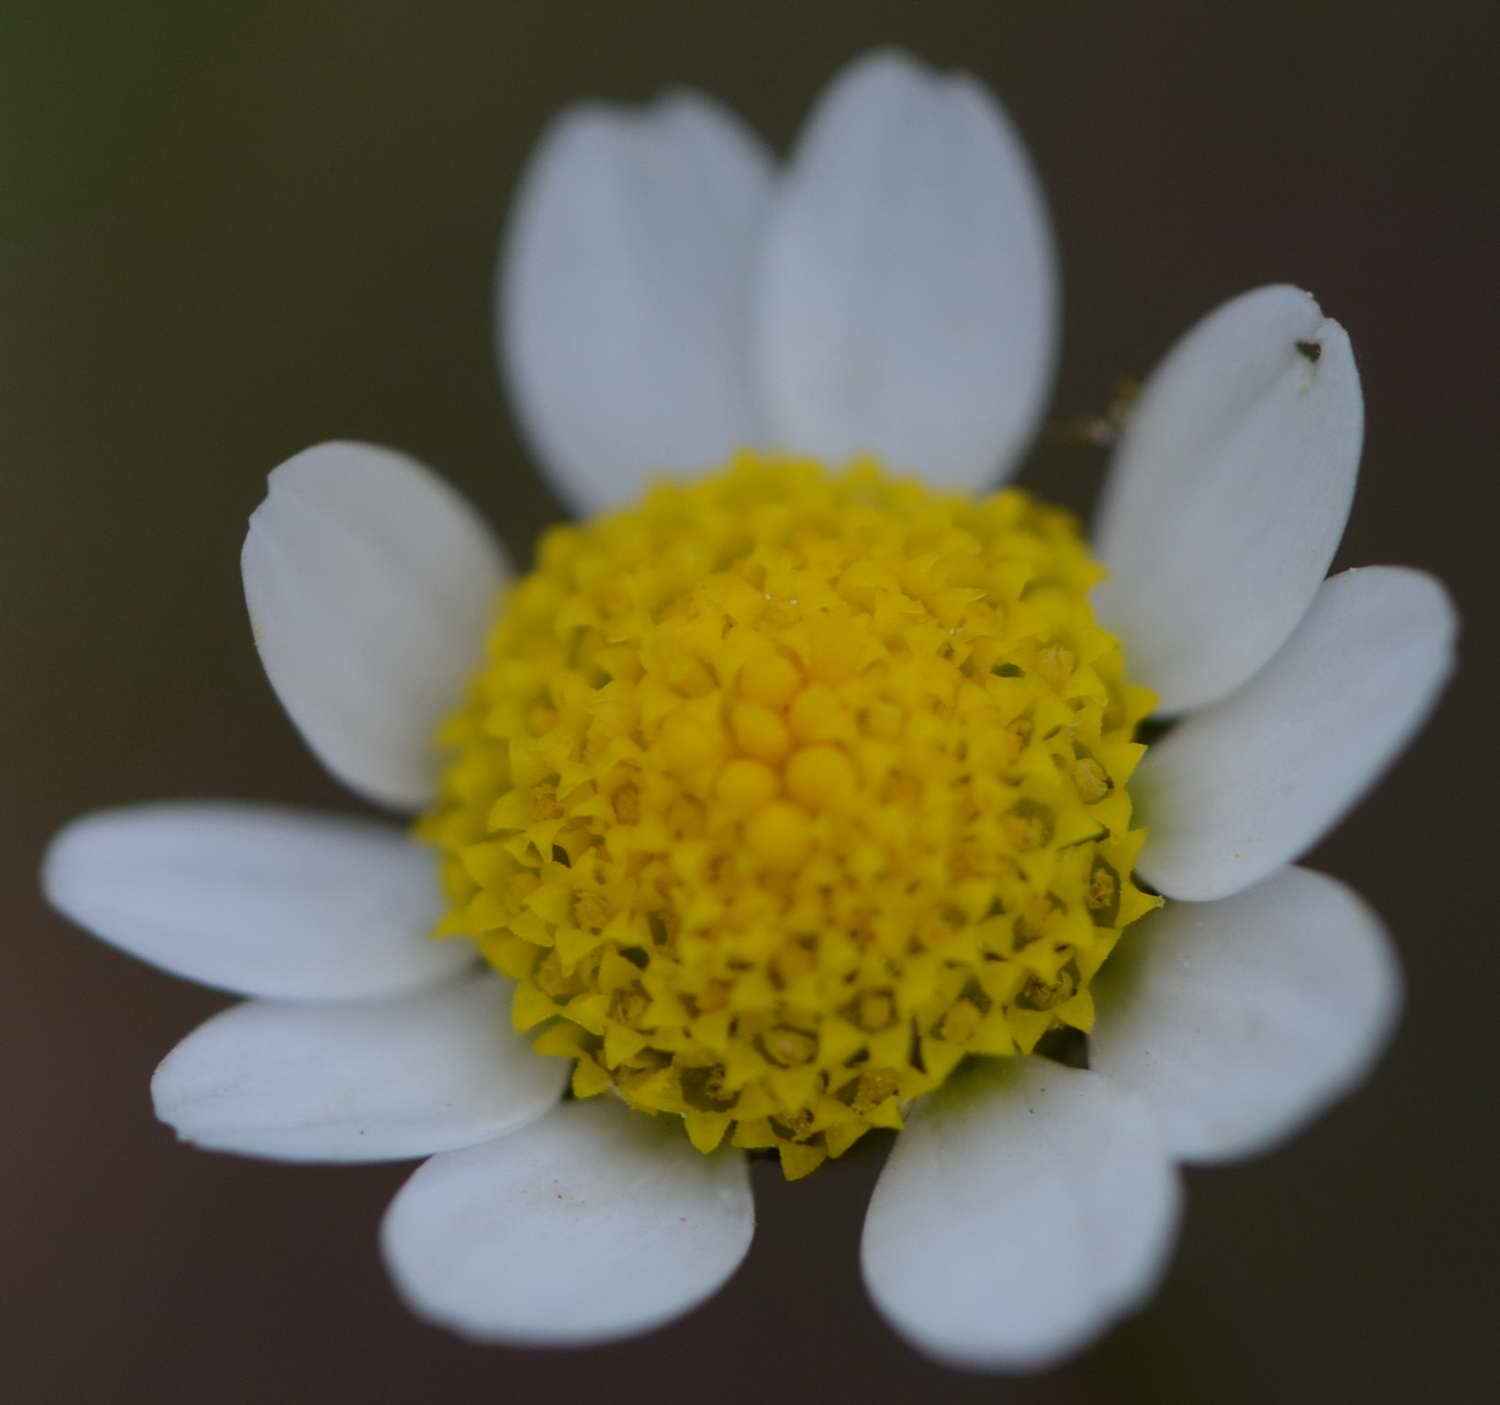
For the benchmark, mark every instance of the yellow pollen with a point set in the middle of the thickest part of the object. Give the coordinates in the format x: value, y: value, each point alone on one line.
x: 779, y: 835
x: 759, y: 732
x: 746, y: 785
x: 783, y: 791
x: 769, y: 679
x: 821, y: 777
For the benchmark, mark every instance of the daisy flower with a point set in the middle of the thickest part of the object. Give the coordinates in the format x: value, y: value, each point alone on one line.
x: 797, y: 790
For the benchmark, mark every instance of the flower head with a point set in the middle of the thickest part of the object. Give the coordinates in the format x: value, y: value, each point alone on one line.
x: 800, y: 793
x: 785, y: 791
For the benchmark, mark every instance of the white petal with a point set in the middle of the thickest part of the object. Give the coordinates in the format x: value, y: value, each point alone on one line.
x: 1025, y: 1212
x: 256, y: 899
x: 624, y: 294
x: 596, y: 1223
x: 1241, y: 1019
x: 908, y: 300
x: 371, y: 587
x: 369, y: 1080
x: 1248, y: 784
x: 1229, y: 494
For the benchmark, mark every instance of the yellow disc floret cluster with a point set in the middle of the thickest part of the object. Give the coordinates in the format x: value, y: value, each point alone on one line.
x: 784, y: 790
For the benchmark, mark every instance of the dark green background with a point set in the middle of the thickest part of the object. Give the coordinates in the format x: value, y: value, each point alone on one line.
x: 231, y: 230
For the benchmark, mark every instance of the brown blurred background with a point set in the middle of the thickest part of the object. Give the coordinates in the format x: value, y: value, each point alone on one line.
x: 229, y: 230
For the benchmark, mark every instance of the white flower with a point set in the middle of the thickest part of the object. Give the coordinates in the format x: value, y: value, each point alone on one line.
x: 667, y: 297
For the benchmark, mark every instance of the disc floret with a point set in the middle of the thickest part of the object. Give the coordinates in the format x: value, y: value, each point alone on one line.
x: 784, y: 790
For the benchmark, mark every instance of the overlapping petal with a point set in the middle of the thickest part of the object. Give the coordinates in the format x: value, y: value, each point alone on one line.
x: 592, y: 1224
x: 1021, y: 1211
x: 370, y: 585
x: 256, y: 899
x: 907, y: 301
x: 1229, y: 494
x: 368, y: 1080
x: 624, y: 294
x: 1239, y: 1020
x: 1242, y: 787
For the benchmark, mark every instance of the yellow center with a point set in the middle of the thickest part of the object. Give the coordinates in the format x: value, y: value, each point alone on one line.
x: 784, y: 790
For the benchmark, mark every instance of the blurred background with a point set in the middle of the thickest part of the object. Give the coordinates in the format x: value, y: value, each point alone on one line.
x: 231, y: 229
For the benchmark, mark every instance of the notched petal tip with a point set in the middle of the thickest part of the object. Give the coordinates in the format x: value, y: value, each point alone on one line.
x: 591, y: 1225
x: 1229, y: 493
x: 369, y: 585
x: 1239, y: 1021
x: 624, y: 285
x: 371, y: 1080
x: 907, y: 300
x: 1020, y: 1218
x: 1239, y: 789
x: 255, y: 898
